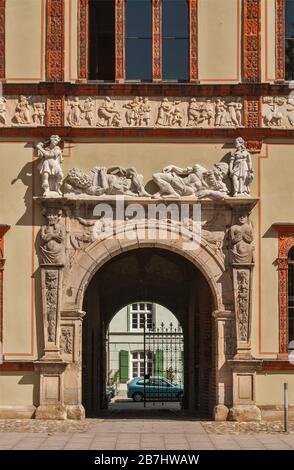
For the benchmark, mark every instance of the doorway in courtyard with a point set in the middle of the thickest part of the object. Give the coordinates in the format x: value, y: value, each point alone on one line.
x: 165, y: 304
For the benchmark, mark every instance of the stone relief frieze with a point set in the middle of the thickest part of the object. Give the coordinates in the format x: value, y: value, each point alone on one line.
x: 278, y: 112
x: 171, y: 182
x: 22, y: 111
x: 171, y: 112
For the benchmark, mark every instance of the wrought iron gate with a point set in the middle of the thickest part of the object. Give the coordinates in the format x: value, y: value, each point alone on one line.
x: 163, y: 363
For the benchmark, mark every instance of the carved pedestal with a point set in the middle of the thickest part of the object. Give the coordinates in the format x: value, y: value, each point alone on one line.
x: 51, y: 390
x: 242, y: 279
x: 244, y: 378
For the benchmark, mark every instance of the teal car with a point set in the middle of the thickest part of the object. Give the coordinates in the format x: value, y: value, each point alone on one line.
x: 154, y: 388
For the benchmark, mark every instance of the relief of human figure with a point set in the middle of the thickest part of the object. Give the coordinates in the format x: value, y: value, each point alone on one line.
x: 241, y: 240
x: 113, y: 180
x: 164, y: 113
x: 52, y: 238
x: 220, y: 113
x: 133, y: 111
x: 50, y: 156
x: 22, y: 114
x: 192, y: 181
x: 39, y: 113
x: 3, y: 111
x: 176, y: 114
x: 89, y: 111
x: 290, y: 111
x: 193, y: 112
x: 241, y: 169
x: 74, y: 115
x: 144, y: 112
x: 108, y: 114
x: 233, y: 112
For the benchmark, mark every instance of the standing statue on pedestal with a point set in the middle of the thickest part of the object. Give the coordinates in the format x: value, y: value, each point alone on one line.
x: 50, y: 165
x: 241, y: 170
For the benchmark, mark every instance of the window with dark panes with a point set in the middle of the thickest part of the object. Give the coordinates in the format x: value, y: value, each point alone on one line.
x: 138, y: 40
x: 102, y: 39
x: 291, y: 294
x: 289, y: 39
x: 175, y: 40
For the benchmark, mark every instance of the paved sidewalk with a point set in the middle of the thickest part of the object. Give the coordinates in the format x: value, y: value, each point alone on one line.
x: 146, y: 434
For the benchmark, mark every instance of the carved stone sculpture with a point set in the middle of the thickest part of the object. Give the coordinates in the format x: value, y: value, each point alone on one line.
x: 51, y: 284
x: 66, y: 340
x: 243, y: 299
x: 192, y: 181
x: 50, y: 155
x: 241, y: 170
x: 22, y: 114
x: 241, y: 240
x: 106, y: 181
x: 75, y: 113
x: 39, y: 114
x: 3, y: 111
x: 89, y: 111
x: 108, y: 114
x: 52, y: 250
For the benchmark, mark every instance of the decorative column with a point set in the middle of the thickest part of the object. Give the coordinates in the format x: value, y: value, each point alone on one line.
x: 193, y: 38
x: 2, y: 39
x: 156, y: 40
x: 252, y: 41
x: 51, y: 367
x: 224, y: 337
x: 71, y: 352
x: 242, y: 263
x: 119, y: 40
x: 3, y: 230
x: 55, y: 41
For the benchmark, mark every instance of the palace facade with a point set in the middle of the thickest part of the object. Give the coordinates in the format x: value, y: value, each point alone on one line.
x: 111, y: 104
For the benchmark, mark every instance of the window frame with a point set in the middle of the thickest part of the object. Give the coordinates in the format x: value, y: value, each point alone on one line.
x: 120, y: 21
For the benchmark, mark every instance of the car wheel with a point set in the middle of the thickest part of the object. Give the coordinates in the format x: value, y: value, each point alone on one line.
x: 180, y: 396
x: 138, y: 396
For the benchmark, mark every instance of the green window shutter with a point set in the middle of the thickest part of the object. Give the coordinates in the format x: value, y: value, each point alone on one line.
x: 123, y: 366
x: 159, y: 363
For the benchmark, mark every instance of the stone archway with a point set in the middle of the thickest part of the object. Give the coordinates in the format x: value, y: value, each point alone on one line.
x: 65, y: 285
x: 164, y: 277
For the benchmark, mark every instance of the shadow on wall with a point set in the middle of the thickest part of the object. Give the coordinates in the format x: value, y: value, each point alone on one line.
x: 26, y: 379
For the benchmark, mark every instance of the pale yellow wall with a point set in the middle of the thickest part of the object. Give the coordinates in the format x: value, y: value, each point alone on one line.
x: 19, y: 388
x: 24, y: 57
x: 217, y: 40
x: 16, y: 204
x: 268, y: 40
x: 270, y: 388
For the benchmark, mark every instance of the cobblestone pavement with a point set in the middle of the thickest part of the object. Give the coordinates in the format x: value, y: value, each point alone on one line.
x: 144, y: 434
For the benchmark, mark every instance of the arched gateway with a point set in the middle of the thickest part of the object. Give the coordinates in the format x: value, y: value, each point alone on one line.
x: 99, y: 266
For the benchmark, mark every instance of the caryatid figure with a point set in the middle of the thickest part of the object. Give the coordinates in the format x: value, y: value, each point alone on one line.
x: 241, y: 170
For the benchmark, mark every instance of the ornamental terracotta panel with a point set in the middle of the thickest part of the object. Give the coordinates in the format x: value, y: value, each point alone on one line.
x: 2, y: 39
x: 156, y: 40
x: 55, y: 40
x: 119, y: 40
x: 193, y: 38
x: 252, y: 41
x: 83, y: 39
x: 280, y: 40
